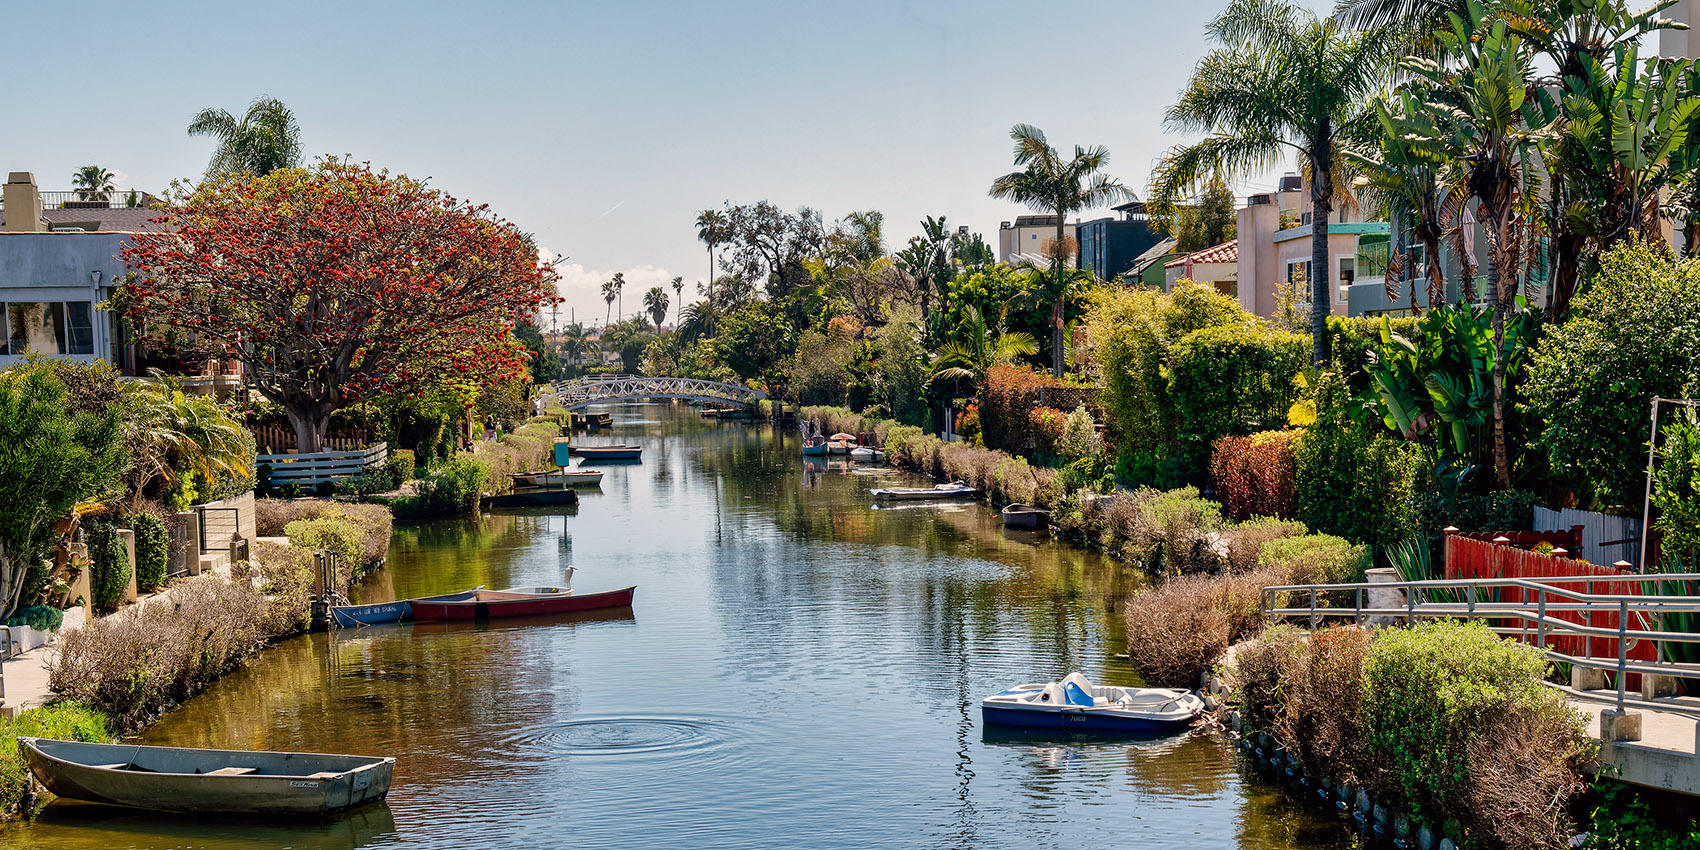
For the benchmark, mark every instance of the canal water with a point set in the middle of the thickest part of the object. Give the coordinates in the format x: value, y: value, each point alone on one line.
x: 799, y: 670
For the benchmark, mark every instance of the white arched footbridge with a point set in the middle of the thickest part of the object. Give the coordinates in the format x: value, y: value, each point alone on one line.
x: 603, y: 389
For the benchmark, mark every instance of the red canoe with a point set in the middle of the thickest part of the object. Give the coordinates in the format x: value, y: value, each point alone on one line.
x: 520, y: 602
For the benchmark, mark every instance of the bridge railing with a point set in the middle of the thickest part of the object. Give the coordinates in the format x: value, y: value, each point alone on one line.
x: 1634, y: 622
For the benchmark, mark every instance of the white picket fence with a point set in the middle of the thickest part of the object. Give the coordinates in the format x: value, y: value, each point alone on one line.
x: 313, y: 469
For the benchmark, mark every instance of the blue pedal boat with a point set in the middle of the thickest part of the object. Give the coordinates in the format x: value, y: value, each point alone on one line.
x: 379, y: 613
x: 1078, y: 705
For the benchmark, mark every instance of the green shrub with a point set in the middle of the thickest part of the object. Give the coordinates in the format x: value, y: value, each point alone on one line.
x: 109, y: 566
x: 1433, y: 689
x: 399, y: 469
x: 1164, y: 532
x: 370, y: 524
x: 335, y: 534
x: 1351, y: 480
x: 452, y: 489
x: 1315, y: 559
x: 1233, y: 379
x: 42, y: 618
x: 152, y: 551
x: 1676, y: 489
x: 66, y: 721
x: 1593, y: 378
x: 1500, y: 510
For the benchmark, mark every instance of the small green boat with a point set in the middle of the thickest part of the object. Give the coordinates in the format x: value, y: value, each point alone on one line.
x: 195, y: 781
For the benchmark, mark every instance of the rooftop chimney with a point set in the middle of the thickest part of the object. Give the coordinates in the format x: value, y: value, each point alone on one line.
x: 23, y: 204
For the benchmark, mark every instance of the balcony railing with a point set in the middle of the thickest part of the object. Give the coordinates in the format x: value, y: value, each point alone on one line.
x: 85, y: 200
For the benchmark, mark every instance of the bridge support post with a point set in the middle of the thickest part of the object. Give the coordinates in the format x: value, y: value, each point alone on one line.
x: 1618, y: 726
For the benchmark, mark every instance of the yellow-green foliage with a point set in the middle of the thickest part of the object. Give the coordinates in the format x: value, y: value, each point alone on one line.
x: 1315, y: 559
x: 1132, y: 332
x: 360, y: 533
x: 68, y: 721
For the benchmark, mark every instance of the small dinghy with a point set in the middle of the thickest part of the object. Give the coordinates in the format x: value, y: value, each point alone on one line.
x: 559, y: 478
x: 521, y: 602
x: 866, y: 454
x: 815, y: 446
x: 954, y: 490
x: 841, y: 443
x: 1077, y: 704
x: 379, y: 613
x: 1025, y: 517
x: 177, y: 779
x: 610, y: 452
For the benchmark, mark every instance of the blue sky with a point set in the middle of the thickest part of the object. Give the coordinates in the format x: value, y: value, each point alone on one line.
x: 604, y: 127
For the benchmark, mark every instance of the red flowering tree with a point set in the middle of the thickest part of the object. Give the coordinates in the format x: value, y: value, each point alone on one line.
x: 335, y: 284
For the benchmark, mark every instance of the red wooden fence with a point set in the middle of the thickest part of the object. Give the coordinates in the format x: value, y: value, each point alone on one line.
x: 1467, y: 558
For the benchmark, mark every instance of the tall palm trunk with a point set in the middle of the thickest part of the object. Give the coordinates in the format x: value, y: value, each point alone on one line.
x: 1321, y: 205
x: 1057, y: 308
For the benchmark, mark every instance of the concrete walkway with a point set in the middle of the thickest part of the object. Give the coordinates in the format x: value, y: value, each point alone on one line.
x: 1664, y: 757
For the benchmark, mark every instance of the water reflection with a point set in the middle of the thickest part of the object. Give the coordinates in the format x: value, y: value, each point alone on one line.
x: 798, y: 670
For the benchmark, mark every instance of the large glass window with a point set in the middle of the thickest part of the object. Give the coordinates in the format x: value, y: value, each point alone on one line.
x: 49, y: 327
x: 79, y: 327
x: 1373, y: 252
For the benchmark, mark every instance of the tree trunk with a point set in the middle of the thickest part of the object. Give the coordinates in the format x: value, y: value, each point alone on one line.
x: 1501, y: 459
x: 1057, y: 309
x: 309, y: 425
x: 1321, y: 301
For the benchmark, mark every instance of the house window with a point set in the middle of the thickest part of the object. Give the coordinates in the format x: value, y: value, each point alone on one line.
x: 1373, y: 250
x: 1347, y: 275
x: 49, y: 327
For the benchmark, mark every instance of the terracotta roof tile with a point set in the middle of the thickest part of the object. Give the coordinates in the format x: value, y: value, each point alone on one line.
x: 1227, y: 252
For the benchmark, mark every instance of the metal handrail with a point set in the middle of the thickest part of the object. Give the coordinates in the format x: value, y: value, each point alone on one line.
x: 1531, y: 616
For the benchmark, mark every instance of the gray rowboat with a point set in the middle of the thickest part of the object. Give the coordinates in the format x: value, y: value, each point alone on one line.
x: 176, y: 779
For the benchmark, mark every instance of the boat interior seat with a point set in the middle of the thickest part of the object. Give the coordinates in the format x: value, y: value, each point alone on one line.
x: 232, y: 771
x: 324, y: 774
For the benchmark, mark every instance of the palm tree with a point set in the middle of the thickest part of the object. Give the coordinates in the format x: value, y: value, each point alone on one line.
x: 575, y: 341
x: 265, y: 139
x: 1283, y: 82
x: 977, y: 349
x: 609, y: 292
x: 1050, y: 184
x: 713, y: 228
x: 92, y: 183
x: 1404, y: 172
x: 655, y: 304
x: 679, y: 292
x: 177, y: 434
x: 697, y: 321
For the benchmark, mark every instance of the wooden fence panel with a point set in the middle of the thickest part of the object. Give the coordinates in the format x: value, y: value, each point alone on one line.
x: 320, y: 467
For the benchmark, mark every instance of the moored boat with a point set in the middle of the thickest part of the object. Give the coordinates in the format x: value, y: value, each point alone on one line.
x: 1078, y: 705
x: 841, y: 443
x: 815, y: 446
x: 954, y: 490
x: 378, y: 613
x: 867, y: 454
x: 610, y: 452
x: 558, y: 478
x: 196, y: 781
x: 521, y: 602
x: 1025, y: 517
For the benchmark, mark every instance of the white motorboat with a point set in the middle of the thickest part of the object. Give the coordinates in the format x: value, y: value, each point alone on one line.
x: 867, y: 454
x: 1075, y: 703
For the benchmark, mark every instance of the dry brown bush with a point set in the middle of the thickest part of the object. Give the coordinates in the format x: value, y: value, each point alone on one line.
x: 286, y: 575
x: 1259, y: 668
x: 135, y: 665
x: 1524, y: 770
x: 1175, y: 630
x: 271, y: 515
x: 1319, y: 719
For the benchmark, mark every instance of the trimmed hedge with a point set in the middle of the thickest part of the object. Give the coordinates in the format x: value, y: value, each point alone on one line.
x: 152, y: 551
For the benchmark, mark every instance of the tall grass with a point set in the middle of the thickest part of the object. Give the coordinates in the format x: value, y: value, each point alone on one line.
x: 69, y: 721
